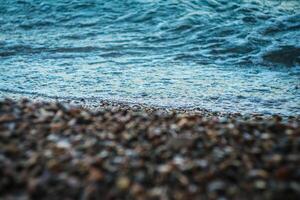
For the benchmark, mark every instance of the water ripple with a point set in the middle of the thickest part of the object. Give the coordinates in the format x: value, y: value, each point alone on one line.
x: 128, y: 49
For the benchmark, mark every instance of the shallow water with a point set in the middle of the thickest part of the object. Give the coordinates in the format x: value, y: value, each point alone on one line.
x: 232, y: 56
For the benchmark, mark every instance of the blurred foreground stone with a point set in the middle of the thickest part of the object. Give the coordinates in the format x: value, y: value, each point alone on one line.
x: 56, y: 151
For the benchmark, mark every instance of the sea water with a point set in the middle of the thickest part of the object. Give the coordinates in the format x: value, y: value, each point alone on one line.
x: 230, y: 56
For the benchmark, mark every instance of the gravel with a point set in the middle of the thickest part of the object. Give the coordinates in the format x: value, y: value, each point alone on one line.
x: 54, y: 150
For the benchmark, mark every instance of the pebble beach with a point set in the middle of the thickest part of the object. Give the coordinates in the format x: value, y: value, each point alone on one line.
x: 51, y: 150
x: 149, y: 100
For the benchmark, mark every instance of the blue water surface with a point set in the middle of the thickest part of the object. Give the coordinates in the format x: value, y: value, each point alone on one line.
x: 231, y: 56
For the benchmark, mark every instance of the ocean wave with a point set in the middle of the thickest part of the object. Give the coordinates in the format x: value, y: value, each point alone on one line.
x: 253, y: 26
x: 141, y: 36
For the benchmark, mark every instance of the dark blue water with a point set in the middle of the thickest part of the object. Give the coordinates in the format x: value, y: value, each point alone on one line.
x: 232, y: 56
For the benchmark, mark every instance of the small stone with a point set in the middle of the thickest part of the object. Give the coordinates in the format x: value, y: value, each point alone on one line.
x: 289, y: 132
x: 56, y: 127
x: 276, y: 158
x: 166, y: 168
x: 6, y: 118
x: 137, y: 189
x: 95, y: 175
x: 32, y: 160
x: 202, y: 163
x: 216, y: 186
x: 260, y: 184
x: 53, y: 137
x: 123, y: 183
x: 183, y: 180
x: 283, y: 173
x: 11, y: 149
x: 32, y: 185
x: 178, y: 143
x: 54, y: 165
x: 72, y: 122
x: 265, y: 136
x: 64, y: 144
x: 183, y: 122
x: 258, y: 173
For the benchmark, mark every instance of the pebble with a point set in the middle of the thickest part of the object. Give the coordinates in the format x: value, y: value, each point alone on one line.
x: 64, y: 144
x: 123, y: 183
x: 260, y: 184
x: 54, y: 150
x: 95, y: 175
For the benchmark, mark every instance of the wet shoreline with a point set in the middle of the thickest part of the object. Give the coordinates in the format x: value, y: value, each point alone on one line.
x: 96, y: 103
x: 56, y: 150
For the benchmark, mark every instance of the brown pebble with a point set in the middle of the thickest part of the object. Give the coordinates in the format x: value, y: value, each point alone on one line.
x: 95, y: 175
x: 283, y: 173
x: 6, y: 118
